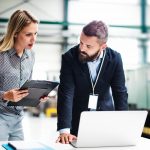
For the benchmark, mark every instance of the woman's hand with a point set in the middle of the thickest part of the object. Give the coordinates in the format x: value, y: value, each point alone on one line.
x: 15, y: 95
x: 44, y: 99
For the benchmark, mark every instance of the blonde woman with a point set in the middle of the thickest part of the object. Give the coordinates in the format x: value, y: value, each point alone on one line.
x: 16, y: 64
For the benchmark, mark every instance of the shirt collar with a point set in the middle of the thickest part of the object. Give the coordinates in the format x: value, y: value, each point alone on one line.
x: 101, y: 54
x: 25, y: 54
x: 12, y: 52
x: 99, y: 57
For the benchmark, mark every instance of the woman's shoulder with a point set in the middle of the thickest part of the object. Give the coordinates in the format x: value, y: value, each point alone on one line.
x: 30, y: 53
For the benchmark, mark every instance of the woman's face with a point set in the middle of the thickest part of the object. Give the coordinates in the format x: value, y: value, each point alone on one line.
x: 26, y: 38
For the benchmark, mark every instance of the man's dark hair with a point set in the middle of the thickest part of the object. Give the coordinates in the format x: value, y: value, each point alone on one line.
x: 98, y: 29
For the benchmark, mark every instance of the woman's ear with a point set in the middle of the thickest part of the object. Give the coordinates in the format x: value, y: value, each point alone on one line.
x: 15, y: 35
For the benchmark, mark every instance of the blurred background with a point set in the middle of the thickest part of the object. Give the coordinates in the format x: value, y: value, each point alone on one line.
x: 60, y: 25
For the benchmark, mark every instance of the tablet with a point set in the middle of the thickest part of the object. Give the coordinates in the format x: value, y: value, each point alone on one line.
x: 26, y: 145
x: 37, y: 89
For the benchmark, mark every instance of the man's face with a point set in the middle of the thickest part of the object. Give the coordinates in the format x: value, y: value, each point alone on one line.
x: 90, y: 48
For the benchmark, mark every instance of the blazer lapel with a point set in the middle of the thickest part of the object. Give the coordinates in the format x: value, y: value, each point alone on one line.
x: 85, y: 70
x: 106, y: 60
x: 104, y: 68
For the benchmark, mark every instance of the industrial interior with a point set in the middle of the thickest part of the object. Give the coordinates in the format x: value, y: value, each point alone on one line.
x: 60, y: 25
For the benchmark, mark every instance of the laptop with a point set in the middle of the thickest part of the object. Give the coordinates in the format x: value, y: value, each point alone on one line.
x: 110, y: 128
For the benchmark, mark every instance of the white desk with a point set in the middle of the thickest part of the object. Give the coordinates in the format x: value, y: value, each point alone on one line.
x: 144, y: 144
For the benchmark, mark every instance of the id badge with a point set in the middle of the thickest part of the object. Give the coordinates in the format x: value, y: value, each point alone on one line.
x: 93, y: 101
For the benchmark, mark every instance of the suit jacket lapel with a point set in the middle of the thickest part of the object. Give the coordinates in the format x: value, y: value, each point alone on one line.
x: 106, y: 60
x: 85, y: 70
x: 104, y: 68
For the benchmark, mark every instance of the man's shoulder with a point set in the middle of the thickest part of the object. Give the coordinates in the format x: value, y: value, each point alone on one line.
x: 111, y: 53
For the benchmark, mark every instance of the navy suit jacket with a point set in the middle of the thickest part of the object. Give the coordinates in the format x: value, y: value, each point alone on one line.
x: 75, y: 88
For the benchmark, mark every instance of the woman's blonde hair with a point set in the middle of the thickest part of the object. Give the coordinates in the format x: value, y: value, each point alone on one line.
x: 18, y: 20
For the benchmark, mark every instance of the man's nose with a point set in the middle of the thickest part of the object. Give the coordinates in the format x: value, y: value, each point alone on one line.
x: 83, y: 48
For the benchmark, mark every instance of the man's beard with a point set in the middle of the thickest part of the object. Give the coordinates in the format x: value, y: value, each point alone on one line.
x: 84, y: 57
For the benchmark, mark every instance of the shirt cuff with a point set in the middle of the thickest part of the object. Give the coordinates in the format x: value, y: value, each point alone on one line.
x: 1, y: 95
x: 65, y: 130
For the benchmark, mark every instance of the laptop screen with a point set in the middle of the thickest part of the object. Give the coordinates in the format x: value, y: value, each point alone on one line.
x: 110, y: 128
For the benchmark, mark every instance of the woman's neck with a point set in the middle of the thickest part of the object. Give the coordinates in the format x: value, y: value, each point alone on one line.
x: 19, y: 51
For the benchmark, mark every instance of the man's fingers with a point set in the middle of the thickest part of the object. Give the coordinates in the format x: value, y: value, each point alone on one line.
x: 71, y: 138
x: 66, y: 138
x: 62, y: 140
x: 74, y: 138
x: 58, y: 140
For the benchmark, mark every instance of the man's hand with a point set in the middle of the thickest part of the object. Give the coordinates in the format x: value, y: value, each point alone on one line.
x: 15, y: 95
x: 65, y: 138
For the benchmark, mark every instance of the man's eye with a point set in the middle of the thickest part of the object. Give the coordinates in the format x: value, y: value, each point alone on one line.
x: 81, y: 43
x: 88, y: 46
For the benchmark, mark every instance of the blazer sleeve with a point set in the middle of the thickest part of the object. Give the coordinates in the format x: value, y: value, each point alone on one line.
x: 119, y: 90
x: 65, y: 94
